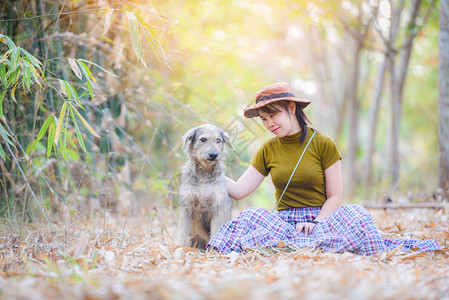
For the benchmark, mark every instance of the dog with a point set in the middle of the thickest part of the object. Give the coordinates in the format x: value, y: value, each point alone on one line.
x: 204, y: 202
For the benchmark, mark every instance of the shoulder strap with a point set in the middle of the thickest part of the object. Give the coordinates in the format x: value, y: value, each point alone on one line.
x: 294, y: 170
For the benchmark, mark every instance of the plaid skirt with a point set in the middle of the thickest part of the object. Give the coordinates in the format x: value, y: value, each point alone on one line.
x: 349, y: 228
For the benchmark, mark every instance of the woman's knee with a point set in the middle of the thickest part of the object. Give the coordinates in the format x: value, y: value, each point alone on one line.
x: 360, y: 210
x: 252, y: 212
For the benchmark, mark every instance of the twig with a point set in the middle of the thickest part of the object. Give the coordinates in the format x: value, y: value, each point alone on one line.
x: 32, y: 164
x: 27, y: 184
x: 163, y: 225
x: 50, y: 15
x: 405, y: 205
x: 140, y: 174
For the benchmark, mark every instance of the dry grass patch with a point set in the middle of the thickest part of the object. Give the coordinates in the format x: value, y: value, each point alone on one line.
x: 112, y: 257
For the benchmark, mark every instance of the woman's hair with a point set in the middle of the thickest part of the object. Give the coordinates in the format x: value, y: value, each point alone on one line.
x: 299, y: 113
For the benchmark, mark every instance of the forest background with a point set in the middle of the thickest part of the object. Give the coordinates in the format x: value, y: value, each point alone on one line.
x: 95, y: 97
x: 141, y: 74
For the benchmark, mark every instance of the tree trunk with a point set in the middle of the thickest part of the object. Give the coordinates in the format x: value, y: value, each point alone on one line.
x: 393, y: 161
x: 443, y: 109
x: 354, y: 108
x: 398, y: 76
x: 320, y: 69
x: 373, y: 116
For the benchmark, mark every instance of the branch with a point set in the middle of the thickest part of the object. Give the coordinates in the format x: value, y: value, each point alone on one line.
x: 50, y: 15
x: 26, y: 180
x: 32, y: 164
x: 406, y: 205
x: 411, y: 37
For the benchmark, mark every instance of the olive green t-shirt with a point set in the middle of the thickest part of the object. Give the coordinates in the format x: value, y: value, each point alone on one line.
x: 278, y: 157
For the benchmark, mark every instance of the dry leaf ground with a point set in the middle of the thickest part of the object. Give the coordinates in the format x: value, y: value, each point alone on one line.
x: 134, y: 258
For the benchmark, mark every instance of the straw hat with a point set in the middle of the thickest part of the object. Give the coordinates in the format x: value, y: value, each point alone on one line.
x: 271, y: 93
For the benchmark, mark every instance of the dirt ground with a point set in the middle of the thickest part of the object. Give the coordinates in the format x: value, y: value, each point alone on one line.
x: 110, y: 257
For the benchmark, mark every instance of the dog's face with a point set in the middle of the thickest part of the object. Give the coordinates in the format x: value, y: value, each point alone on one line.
x: 205, y: 144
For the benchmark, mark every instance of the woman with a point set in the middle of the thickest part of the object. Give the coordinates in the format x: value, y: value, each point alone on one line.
x: 305, y: 167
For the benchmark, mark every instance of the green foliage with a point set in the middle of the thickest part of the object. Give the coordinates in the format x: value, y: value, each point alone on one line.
x: 104, y: 73
x: 17, y: 70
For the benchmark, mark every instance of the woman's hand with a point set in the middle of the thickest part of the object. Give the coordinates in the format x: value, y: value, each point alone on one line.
x: 307, y: 227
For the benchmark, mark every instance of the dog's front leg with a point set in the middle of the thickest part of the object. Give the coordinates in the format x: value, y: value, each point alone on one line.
x: 220, y: 217
x: 184, y: 227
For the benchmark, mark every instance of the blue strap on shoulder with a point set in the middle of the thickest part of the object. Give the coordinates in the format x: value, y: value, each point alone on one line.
x: 294, y: 170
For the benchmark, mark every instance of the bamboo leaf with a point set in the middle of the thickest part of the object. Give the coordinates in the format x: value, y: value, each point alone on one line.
x: 67, y: 89
x: 9, y: 41
x: 3, y: 75
x: 151, y: 43
x: 66, y: 132
x: 84, y: 121
x: 86, y: 69
x: 91, y: 93
x: 74, y: 94
x: 51, y: 138
x: 63, y: 147
x: 156, y: 41
x: 15, y: 58
x: 26, y: 75
x: 61, y: 119
x: 107, y: 20
x: 75, y: 68
x: 145, y: 24
x: 5, y: 56
x: 88, y: 79
x: 13, y: 77
x: 36, y: 76
x: 2, y: 153
x: 3, y: 39
x: 2, y: 96
x: 135, y: 38
x: 13, y: 96
x: 77, y: 130
x: 47, y: 123
x: 33, y: 60
x: 5, y: 135
x: 101, y: 68
x: 61, y: 82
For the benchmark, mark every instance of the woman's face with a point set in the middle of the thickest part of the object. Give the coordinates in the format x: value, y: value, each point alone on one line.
x: 283, y: 122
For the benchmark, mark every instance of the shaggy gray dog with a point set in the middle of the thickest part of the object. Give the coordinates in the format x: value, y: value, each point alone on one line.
x: 204, y: 204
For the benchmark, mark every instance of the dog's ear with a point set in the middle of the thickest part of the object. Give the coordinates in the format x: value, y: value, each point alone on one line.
x: 226, y: 139
x: 188, y: 139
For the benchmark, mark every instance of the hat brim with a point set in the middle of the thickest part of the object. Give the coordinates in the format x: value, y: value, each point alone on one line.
x: 252, y: 112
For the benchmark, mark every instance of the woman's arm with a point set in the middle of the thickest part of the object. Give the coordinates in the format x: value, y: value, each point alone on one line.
x: 334, y: 190
x: 246, y: 184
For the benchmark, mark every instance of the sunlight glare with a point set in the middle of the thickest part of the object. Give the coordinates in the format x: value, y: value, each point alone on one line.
x: 220, y: 35
x: 332, y: 35
x: 384, y: 24
x: 264, y: 9
x: 294, y: 32
x: 306, y: 86
x: 346, y: 5
x: 418, y: 70
x: 287, y: 60
x: 384, y: 9
x: 417, y: 48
